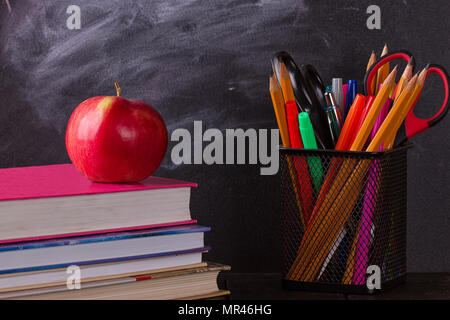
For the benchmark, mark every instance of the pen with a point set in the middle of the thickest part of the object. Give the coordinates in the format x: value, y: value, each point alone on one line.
x: 333, y: 116
x: 338, y: 93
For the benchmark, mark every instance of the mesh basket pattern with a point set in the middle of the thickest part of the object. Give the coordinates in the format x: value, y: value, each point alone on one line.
x: 343, y: 212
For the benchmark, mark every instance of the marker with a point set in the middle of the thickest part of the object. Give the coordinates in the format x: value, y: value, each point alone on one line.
x: 309, y: 142
x: 351, y: 122
x: 351, y: 94
x: 292, y: 122
x: 364, y: 113
x: 338, y: 93
x: 300, y: 167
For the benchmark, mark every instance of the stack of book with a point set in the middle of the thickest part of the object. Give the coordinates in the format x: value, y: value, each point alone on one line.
x: 65, y: 237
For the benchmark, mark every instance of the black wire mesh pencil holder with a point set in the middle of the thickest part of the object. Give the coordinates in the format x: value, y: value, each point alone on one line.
x: 343, y: 219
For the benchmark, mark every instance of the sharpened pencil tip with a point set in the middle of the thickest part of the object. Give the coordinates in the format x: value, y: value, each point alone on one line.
x: 412, y: 83
x: 273, y: 83
x: 283, y: 70
x: 390, y: 79
x: 422, y: 76
x: 385, y: 50
x: 412, y: 61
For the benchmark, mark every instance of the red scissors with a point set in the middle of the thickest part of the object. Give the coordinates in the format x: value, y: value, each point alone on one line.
x: 412, y: 125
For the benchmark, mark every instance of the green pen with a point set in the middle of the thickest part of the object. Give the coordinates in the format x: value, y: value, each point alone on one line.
x: 309, y: 142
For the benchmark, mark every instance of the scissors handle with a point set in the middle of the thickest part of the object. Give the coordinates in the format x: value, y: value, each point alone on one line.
x: 372, y: 72
x: 415, y: 125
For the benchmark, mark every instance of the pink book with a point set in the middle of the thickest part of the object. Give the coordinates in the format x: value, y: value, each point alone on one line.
x: 58, y: 201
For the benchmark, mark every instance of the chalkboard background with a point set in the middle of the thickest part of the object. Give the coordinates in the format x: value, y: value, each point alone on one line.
x: 209, y: 60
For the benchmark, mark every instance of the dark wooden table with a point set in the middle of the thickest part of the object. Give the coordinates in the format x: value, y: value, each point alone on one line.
x: 267, y: 286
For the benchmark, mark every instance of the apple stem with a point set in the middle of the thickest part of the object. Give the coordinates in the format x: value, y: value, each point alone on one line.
x: 119, y: 91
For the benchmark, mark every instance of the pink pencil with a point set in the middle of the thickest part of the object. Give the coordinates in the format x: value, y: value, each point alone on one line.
x: 363, y: 245
x: 9, y: 5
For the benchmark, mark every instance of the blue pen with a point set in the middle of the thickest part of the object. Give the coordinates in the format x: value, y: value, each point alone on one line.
x: 351, y: 95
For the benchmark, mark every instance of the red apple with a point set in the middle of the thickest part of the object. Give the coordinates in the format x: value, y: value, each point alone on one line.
x: 112, y: 139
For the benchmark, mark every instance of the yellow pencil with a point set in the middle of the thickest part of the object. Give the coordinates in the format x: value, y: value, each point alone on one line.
x: 372, y: 60
x: 383, y: 72
x: 286, y: 86
x: 393, y: 120
x: 280, y: 112
x: 374, y: 111
x: 348, y: 274
x: 406, y: 76
x: 389, y: 142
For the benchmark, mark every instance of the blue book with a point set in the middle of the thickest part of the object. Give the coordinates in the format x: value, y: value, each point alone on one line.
x: 103, y: 248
